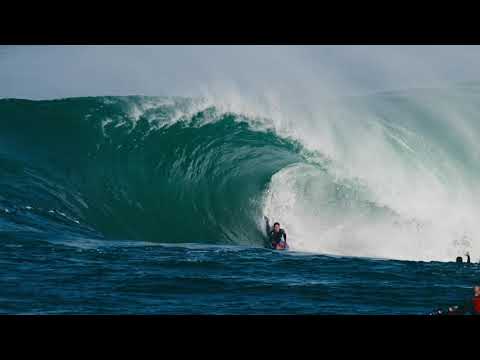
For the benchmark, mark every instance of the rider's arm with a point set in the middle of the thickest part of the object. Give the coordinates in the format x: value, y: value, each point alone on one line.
x: 267, y: 226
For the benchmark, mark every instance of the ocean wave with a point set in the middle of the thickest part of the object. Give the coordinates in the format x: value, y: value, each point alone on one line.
x: 375, y: 182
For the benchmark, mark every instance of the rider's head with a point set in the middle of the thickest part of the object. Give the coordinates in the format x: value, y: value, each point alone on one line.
x: 459, y: 259
x: 276, y: 227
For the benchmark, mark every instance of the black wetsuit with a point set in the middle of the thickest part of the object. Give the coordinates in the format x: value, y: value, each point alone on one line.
x: 275, y: 237
x: 459, y: 259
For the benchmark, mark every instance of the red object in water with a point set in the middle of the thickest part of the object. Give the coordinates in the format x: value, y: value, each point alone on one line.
x: 476, y: 304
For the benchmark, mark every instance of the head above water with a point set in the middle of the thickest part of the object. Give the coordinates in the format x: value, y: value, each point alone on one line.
x: 459, y: 259
x: 276, y: 227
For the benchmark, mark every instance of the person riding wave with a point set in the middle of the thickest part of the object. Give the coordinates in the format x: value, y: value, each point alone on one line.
x: 277, y: 236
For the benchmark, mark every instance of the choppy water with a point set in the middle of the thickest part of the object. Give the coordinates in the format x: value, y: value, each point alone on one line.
x: 45, y: 278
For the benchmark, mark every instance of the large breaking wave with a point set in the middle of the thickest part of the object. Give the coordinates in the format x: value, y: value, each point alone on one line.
x: 390, y: 175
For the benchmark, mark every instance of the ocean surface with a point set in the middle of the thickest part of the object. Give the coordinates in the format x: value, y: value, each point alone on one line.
x: 155, y: 205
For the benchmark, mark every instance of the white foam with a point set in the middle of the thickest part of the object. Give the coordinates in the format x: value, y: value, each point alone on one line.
x: 410, y: 172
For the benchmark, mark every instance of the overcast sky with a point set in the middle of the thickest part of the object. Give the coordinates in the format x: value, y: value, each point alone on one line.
x: 39, y: 72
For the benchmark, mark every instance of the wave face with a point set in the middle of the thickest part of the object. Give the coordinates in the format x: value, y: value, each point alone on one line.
x: 389, y: 175
x: 136, y: 168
